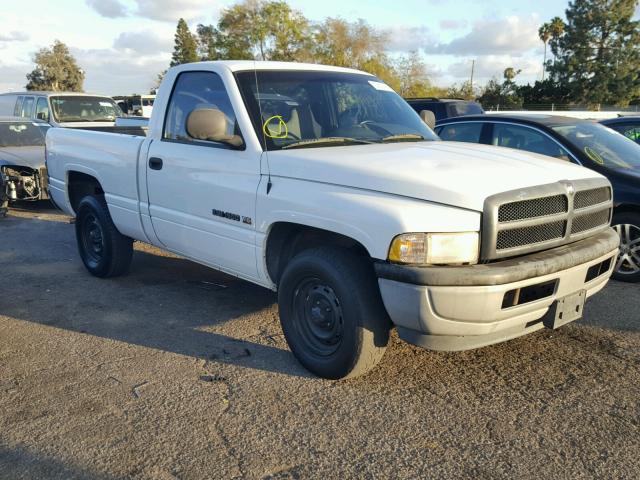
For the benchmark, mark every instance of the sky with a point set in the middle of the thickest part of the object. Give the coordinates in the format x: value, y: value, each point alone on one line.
x: 123, y: 44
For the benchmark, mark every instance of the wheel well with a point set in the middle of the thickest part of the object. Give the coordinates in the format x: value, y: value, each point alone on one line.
x: 288, y: 239
x: 80, y: 185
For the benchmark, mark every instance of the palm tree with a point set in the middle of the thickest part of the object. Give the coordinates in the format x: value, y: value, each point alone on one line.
x: 510, y: 73
x: 556, y: 28
x: 544, y: 32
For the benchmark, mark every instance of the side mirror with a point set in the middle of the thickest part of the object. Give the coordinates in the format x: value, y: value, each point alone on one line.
x: 42, y: 116
x: 429, y: 118
x: 211, y: 124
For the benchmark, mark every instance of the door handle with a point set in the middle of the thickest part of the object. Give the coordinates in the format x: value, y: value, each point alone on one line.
x: 155, y: 163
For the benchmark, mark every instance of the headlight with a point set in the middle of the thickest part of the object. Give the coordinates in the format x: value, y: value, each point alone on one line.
x: 435, y: 248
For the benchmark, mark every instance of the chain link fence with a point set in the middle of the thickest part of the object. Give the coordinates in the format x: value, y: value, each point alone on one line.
x: 560, y: 107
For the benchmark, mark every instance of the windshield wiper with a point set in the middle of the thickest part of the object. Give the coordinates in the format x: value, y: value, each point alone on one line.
x: 403, y: 137
x: 321, y: 142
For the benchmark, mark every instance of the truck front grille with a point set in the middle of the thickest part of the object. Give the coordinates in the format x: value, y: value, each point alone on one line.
x: 518, y: 237
x: 593, y: 196
x: 538, y: 207
x: 538, y: 218
x: 590, y: 221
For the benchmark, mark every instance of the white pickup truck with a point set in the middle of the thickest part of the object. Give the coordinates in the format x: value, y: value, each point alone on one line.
x: 323, y: 184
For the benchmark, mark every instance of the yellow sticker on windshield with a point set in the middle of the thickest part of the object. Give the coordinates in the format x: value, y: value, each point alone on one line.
x: 593, y: 155
x: 275, y: 127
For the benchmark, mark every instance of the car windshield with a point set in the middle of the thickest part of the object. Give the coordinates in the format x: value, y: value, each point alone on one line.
x: 21, y: 134
x: 460, y: 109
x: 601, y: 145
x: 84, y: 109
x: 318, y: 109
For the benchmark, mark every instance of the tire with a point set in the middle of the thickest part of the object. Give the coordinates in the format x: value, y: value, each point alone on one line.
x: 4, y: 200
x: 332, y: 314
x: 105, y: 252
x: 627, y: 268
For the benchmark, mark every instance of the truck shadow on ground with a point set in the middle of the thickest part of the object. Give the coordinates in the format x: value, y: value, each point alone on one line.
x: 165, y: 303
x: 19, y: 462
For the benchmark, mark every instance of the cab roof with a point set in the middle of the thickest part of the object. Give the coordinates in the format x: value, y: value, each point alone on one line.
x: 247, y: 65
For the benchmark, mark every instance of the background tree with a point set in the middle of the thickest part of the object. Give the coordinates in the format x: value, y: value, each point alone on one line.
x: 464, y: 91
x: 556, y: 27
x: 56, y: 70
x: 349, y: 44
x: 510, y: 74
x: 598, y: 55
x: 355, y: 45
x: 271, y: 30
x: 544, y: 32
x: 288, y: 32
x: 412, y: 78
x: 256, y: 29
x: 154, y: 89
x: 544, y: 93
x: 208, y: 42
x: 185, y: 49
x: 505, y: 95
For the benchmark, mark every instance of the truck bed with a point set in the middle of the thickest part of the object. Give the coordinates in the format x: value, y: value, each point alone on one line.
x: 109, y: 156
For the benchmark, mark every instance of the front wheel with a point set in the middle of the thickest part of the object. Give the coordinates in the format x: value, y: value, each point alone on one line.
x: 105, y: 252
x: 332, y: 314
x: 627, y: 269
x: 4, y: 199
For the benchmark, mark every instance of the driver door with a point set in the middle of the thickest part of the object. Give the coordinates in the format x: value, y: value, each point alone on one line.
x: 202, y: 194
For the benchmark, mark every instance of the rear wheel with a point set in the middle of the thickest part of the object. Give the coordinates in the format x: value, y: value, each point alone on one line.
x: 332, y: 313
x: 4, y: 201
x: 105, y: 252
x: 627, y: 269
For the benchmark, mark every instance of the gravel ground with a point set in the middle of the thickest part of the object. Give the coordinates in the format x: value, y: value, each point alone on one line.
x: 177, y: 371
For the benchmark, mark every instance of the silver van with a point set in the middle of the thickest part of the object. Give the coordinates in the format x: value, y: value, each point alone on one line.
x: 61, y: 109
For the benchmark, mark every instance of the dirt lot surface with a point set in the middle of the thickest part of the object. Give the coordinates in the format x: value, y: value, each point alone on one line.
x: 177, y: 371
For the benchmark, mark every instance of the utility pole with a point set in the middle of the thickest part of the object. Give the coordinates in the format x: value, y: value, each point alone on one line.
x: 473, y: 64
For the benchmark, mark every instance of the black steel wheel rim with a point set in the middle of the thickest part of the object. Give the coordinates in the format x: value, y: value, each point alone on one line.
x: 318, y: 316
x: 92, y: 238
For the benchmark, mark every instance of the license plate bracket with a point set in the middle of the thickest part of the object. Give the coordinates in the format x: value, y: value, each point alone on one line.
x: 565, y: 310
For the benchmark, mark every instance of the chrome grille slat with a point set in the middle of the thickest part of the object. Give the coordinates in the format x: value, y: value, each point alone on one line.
x: 593, y: 196
x: 590, y: 221
x: 517, y: 237
x: 545, y: 216
x: 537, y: 207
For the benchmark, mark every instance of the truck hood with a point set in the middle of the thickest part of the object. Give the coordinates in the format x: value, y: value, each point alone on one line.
x: 451, y: 173
x: 32, y: 157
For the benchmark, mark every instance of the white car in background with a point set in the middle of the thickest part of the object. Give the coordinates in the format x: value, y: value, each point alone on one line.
x: 62, y: 109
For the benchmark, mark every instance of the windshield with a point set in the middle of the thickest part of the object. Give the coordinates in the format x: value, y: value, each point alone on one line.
x: 292, y: 109
x: 459, y: 109
x: 601, y: 145
x: 20, y: 134
x: 84, y: 109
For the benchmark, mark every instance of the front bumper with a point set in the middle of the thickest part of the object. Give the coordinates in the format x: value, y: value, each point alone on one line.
x: 459, y: 308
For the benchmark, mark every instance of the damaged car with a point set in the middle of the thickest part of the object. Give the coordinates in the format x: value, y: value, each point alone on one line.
x: 23, y: 176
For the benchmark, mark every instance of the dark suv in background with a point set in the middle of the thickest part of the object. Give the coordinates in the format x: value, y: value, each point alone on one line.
x: 444, y: 108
